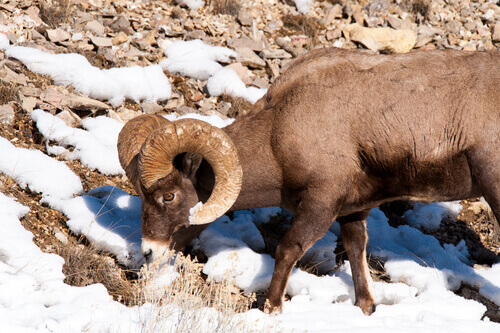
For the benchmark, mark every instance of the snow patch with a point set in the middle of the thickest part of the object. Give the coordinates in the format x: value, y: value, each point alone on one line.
x: 37, y: 171
x: 138, y: 83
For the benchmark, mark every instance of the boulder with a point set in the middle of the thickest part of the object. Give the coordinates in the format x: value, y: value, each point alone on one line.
x: 382, y: 39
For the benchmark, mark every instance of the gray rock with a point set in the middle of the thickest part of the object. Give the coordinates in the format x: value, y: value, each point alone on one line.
x: 121, y: 24
x: 333, y: 13
x: 382, y: 39
x: 28, y: 104
x: 471, y: 26
x: 275, y: 54
x: 95, y: 27
x: 496, y: 33
x: 283, y: 43
x: 58, y: 35
x: 245, y: 75
x: 182, y: 110
x: 245, y: 42
x: 453, y: 26
x: 150, y: 108
x: 84, y: 103
x: 6, y: 114
x: 245, y: 18
x: 273, y: 69
x: 8, y: 75
x: 249, y: 58
x: 101, y: 41
x: 260, y: 83
x: 69, y: 117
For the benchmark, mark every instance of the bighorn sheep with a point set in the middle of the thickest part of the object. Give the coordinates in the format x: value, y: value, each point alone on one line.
x: 338, y: 133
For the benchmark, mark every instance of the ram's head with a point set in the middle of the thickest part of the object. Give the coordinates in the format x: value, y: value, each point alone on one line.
x: 161, y: 159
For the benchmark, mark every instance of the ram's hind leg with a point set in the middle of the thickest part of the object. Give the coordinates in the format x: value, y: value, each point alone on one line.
x: 485, y: 166
x: 353, y: 230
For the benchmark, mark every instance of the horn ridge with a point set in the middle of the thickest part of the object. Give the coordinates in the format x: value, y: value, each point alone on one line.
x: 212, y: 143
x: 131, y: 138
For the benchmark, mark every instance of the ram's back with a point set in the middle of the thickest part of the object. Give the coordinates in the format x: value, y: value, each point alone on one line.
x: 399, y: 123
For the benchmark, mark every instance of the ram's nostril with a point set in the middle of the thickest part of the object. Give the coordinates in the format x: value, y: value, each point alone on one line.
x: 148, y: 255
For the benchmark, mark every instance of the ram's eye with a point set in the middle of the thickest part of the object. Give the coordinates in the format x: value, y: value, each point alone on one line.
x: 168, y: 197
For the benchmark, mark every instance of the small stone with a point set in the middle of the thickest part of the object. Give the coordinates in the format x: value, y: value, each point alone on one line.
x: 273, y: 69
x: 121, y: 24
x: 397, y: 23
x: 150, y: 108
x: 102, y: 41
x: 7, y: 74
x: 359, y: 16
x: 150, y: 37
x: 33, y: 13
x: 174, y: 103
x: 84, y: 103
x: 6, y: 114
x: 275, y: 54
x: 374, y: 21
x: 245, y: 42
x: 95, y: 27
x: 69, y: 117
x: 76, y: 37
x: 245, y: 75
x: 29, y: 104
x: 223, y: 108
x: 260, y: 83
x: 123, y: 114
x: 119, y: 38
x: 58, y: 35
x: 248, y: 57
x: 333, y: 34
x: 12, y: 38
x: 60, y: 236
x: 471, y: 26
x: 30, y: 91
x: 333, y: 13
x: 453, y: 27
x: 470, y: 47
x: 183, y: 109
x: 35, y: 35
x: 496, y: 33
x: 245, y: 18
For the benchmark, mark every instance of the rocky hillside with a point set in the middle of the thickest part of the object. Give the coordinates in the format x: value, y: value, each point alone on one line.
x: 266, y: 36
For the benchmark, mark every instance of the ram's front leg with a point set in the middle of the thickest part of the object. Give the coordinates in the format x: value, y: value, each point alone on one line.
x: 353, y: 230
x: 310, y: 223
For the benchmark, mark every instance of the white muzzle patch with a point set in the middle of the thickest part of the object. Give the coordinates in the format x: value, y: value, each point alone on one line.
x: 154, y: 251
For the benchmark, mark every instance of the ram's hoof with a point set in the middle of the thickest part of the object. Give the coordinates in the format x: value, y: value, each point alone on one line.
x: 368, y: 307
x: 267, y: 308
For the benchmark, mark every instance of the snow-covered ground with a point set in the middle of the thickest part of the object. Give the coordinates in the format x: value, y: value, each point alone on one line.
x: 33, y: 296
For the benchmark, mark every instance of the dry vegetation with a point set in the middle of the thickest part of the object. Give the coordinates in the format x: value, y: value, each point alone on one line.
x: 56, y: 12
x: 227, y: 7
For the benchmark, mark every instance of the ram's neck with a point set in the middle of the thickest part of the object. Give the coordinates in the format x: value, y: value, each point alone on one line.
x: 261, y: 176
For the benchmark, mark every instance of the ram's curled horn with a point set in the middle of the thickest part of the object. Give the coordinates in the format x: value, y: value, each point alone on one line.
x: 195, y: 136
x: 131, y: 139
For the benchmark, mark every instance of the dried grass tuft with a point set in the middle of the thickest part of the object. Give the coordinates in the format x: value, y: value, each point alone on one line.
x: 188, y: 303
x: 227, y: 7
x: 85, y: 265
x: 420, y: 8
x: 8, y: 92
x: 56, y: 12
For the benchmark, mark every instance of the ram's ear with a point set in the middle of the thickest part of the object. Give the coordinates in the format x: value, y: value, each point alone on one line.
x: 190, y: 164
x: 132, y: 172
